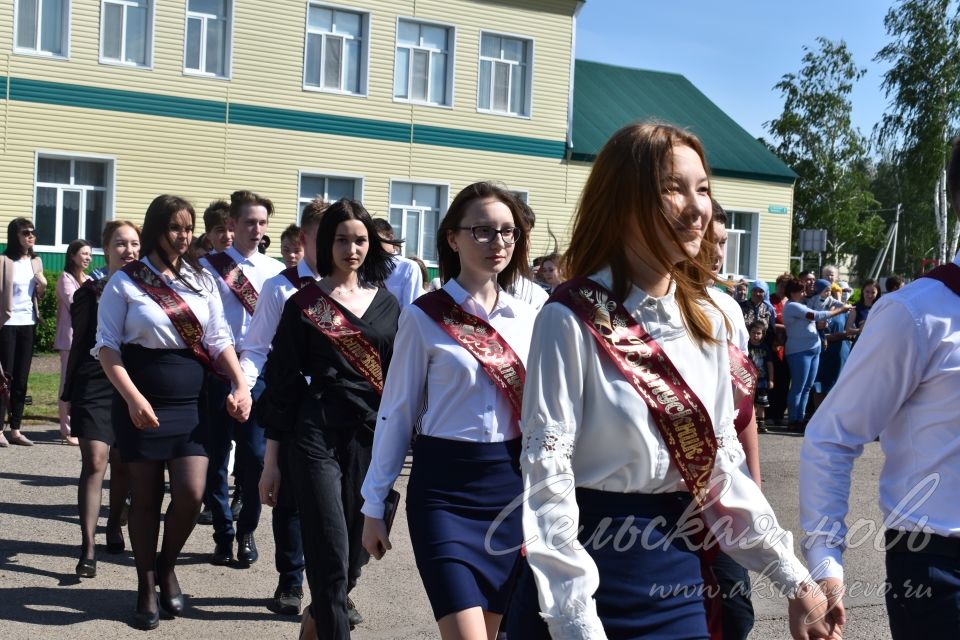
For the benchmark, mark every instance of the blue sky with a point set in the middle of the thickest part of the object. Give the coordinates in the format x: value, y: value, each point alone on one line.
x: 735, y: 52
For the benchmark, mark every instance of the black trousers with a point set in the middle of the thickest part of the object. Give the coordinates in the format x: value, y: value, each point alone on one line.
x: 923, y: 595
x: 328, y: 470
x: 736, y: 608
x: 16, y: 355
x: 288, y: 555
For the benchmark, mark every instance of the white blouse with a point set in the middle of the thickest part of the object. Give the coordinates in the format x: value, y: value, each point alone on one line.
x: 24, y: 286
x: 584, y: 425
x: 128, y: 316
x: 436, y: 386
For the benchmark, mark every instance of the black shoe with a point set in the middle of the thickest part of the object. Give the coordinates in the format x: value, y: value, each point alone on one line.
x: 287, y: 601
x: 236, y: 504
x: 145, y: 621
x: 86, y: 568
x: 115, y: 541
x: 205, y: 517
x: 170, y: 603
x: 246, y: 550
x: 352, y: 614
x: 222, y: 554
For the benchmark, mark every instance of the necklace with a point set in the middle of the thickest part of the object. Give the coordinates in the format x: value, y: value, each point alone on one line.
x: 342, y: 292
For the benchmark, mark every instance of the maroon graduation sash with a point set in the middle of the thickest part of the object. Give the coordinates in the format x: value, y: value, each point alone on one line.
x: 680, y: 416
x: 948, y: 274
x: 237, y: 282
x: 293, y: 276
x: 498, y: 360
x: 744, y: 375
x: 178, y: 311
x: 324, y: 314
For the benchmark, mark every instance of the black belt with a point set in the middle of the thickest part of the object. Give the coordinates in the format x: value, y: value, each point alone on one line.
x: 919, y: 542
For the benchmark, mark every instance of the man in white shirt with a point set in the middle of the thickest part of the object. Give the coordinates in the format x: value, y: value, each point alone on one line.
x: 253, y: 355
x: 246, y: 270
x: 901, y: 384
x: 406, y: 281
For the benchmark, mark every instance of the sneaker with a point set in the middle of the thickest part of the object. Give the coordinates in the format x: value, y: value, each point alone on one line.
x: 287, y: 601
x: 352, y: 614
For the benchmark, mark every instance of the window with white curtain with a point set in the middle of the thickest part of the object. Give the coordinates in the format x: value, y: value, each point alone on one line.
x: 329, y: 188
x: 71, y: 200
x: 415, y: 213
x: 207, y: 37
x: 423, y: 65
x: 42, y: 27
x: 505, y: 75
x: 126, y: 31
x: 334, y: 58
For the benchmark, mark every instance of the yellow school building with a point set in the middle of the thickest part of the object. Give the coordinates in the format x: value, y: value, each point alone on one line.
x: 105, y: 104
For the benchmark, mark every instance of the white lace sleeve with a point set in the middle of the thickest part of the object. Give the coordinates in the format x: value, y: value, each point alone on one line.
x: 565, y: 574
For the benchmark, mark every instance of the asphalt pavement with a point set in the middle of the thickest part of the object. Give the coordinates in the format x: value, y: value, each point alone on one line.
x: 40, y: 596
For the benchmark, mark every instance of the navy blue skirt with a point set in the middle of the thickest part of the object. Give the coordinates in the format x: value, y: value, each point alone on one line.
x: 651, y: 591
x: 172, y: 381
x: 457, y: 491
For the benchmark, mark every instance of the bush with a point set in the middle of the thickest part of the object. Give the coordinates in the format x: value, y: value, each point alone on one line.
x: 47, y: 327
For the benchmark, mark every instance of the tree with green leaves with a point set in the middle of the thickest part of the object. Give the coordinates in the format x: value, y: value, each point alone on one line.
x: 816, y: 137
x: 923, y: 83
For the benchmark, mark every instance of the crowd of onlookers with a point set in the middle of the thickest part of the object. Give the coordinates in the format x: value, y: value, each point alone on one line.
x: 800, y: 337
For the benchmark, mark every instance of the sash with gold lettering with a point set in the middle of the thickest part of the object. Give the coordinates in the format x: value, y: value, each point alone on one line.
x: 324, y: 314
x: 293, y: 277
x: 178, y: 311
x: 498, y: 360
x: 744, y: 376
x: 680, y: 416
x: 236, y: 281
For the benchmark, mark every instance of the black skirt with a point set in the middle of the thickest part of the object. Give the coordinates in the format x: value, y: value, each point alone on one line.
x: 90, y: 411
x: 172, y: 381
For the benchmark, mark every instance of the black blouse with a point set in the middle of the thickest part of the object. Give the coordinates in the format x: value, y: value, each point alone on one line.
x: 81, y: 366
x: 338, y: 396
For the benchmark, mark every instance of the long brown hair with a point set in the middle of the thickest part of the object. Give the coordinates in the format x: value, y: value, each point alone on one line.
x: 449, y: 260
x: 622, y: 194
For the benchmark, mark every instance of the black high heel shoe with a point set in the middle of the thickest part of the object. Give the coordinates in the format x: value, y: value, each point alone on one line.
x: 115, y: 543
x: 171, y: 604
x: 145, y: 621
x: 86, y: 568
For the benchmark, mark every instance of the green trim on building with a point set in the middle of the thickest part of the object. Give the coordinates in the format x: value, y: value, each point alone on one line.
x: 119, y: 100
x: 607, y: 97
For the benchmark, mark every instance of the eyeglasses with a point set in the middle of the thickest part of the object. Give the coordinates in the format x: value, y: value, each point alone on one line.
x: 28, y: 232
x: 484, y: 234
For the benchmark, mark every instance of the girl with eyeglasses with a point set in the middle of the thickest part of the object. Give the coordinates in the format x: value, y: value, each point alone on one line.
x: 456, y: 381
x: 21, y: 287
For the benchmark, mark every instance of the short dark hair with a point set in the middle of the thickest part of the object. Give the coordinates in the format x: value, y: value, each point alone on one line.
x: 893, y: 283
x: 241, y: 199
x: 719, y: 215
x: 953, y: 175
x: 313, y: 212
x: 385, y: 232
x: 758, y: 324
x: 292, y: 232
x: 449, y: 259
x: 14, y: 249
x: 215, y: 215
x: 376, y: 266
x: 794, y: 285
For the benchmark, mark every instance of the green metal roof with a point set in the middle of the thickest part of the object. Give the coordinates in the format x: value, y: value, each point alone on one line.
x: 607, y: 97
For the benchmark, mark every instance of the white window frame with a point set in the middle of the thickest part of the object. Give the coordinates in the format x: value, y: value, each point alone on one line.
x: 109, y: 190
x: 151, y: 21
x: 37, y: 51
x: 522, y: 194
x: 754, y: 240
x: 228, y: 49
x: 326, y: 175
x: 451, y: 63
x: 444, y: 204
x: 365, y: 27
x: 529, y: 75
